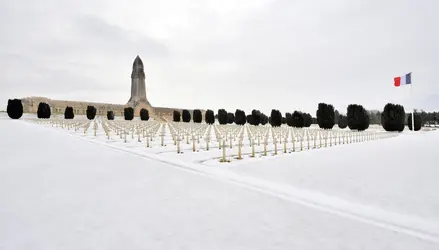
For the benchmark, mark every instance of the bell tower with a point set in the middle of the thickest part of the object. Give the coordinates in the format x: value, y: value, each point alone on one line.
x: 138, y: 87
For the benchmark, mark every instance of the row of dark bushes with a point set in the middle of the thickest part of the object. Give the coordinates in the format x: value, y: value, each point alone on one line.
x: 186, y: 116
x: 256, y: 117
x: 393, y: 116
x: 357, y: 118
x: 15, y: 111
x: 128, y: 114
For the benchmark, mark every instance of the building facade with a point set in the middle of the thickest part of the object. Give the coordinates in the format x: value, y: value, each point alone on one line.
x: 138, y: 100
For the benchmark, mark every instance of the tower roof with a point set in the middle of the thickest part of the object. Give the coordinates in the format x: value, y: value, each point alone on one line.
x: 138, y: 70
x: 138, y: 61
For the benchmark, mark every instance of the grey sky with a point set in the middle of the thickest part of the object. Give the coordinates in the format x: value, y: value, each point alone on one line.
x: 228, y: 54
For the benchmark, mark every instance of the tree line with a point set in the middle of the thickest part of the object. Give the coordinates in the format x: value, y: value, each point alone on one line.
x: 392, y: 118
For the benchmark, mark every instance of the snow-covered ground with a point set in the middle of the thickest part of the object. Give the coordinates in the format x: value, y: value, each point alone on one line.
x: 61, y: 189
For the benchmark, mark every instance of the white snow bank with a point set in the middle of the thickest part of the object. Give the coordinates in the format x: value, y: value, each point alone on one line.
x: 59, y: 192
x: 398, y: 174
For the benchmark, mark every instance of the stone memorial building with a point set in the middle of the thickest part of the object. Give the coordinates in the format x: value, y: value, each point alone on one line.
x: 138, y: 100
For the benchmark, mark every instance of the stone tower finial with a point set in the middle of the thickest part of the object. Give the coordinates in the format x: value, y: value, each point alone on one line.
x: 138, y: 62
x: 138, y: 70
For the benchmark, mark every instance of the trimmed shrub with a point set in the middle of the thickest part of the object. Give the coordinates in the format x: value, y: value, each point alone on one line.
x: 298, y: 119
x: 128, y: 113
x: 275, y: 118
x: 40, y: 110
x: 358, y: 117
x: 110, y: 115
x: 186, y: 115
x: 342, y: 121
x: 222, y: 116
x: 68, y: 113
x: 230, y: 118
x: 255, y: 117
x: 264, y: 119
x: 307, y: 120
x: 91, y: 112
x: 209, y: 117
x: 144, y: 114
x: 325, y: 116
x: 393, y: 117
x: 43, y: 111
x: 176, y: 117
x: 240, y: 117
x: 14, y: 109
x: 418, y: 121
x: 198, y: 117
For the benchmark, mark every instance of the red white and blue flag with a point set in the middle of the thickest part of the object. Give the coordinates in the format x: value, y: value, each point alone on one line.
x: 403, y: 80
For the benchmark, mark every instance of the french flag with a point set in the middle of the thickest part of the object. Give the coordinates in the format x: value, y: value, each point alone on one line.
x: 403, y: 80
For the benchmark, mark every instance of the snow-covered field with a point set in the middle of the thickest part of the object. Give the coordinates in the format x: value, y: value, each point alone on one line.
x: 63, y: 189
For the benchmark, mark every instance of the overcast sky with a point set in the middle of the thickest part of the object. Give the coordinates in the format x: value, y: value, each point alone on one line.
x: 263, y: 54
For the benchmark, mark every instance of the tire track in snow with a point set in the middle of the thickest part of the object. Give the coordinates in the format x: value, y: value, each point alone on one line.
x: 404, y: 224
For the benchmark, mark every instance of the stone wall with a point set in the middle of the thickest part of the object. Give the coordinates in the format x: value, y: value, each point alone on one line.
x: 30, y: 105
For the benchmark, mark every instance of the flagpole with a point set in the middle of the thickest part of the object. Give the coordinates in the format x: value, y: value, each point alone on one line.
x: 413, y: 103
